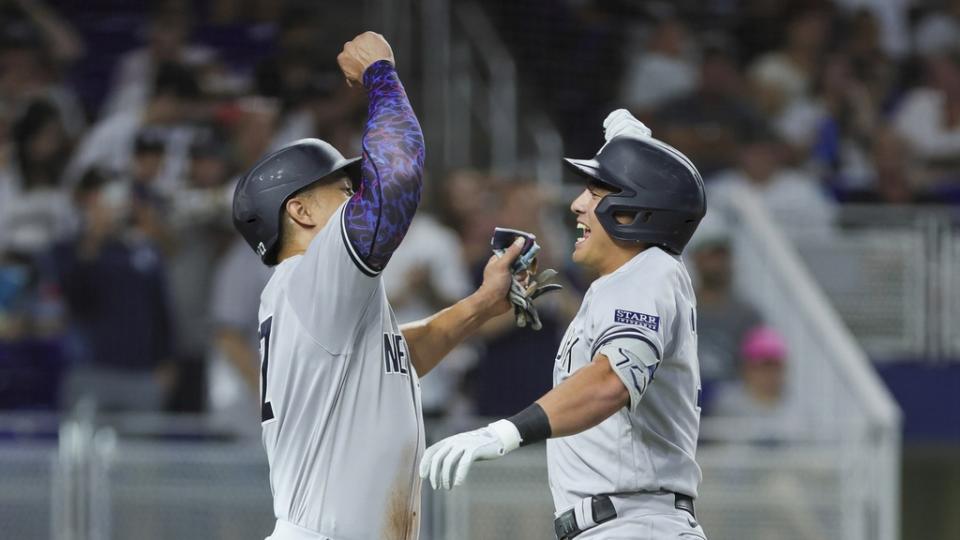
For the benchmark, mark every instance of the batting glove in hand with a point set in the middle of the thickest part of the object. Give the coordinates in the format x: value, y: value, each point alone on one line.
x: 522, y: 297
x: 524, y: 289
x: 621, y: 123
x: 447, y: 462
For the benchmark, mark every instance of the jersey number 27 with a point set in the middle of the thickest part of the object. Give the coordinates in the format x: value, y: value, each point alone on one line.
x: 266, y: 409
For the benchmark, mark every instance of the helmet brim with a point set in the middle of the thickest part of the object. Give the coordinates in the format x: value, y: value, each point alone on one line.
x: 589, y: 169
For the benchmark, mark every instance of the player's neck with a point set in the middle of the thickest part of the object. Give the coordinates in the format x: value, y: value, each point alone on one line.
x: 286, y: 254
x: 619, y: 256
x: 292, y: 249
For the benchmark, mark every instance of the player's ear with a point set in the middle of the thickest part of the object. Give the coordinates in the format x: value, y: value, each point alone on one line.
x: 300, y: 212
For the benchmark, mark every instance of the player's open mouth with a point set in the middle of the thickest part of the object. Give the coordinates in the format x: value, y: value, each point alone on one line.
x: 583, y: 232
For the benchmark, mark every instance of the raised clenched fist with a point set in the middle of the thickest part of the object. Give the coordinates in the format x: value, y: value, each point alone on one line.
x: 360, y: 53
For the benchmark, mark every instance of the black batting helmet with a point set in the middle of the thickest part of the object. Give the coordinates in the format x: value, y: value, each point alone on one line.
x: 262, y: 193
x: 652, y: 180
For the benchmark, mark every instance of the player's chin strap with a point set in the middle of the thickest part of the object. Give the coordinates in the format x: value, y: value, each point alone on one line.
x: 525, y: 287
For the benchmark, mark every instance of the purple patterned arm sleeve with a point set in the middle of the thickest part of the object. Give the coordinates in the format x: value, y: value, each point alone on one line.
x: 378, y: 215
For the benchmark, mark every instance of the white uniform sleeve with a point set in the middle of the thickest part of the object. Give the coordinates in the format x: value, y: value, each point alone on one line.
x: 642, y: 323
x: 634, y: 362
x: 330, y: 287
x: 631, y: 326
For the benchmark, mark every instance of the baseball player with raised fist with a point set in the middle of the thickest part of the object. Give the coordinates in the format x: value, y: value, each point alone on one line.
x: 622, y: 420
x: 339, y: 378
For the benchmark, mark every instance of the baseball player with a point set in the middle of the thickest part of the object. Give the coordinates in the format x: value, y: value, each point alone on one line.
x: 623, y: 417
x: 339, y: 378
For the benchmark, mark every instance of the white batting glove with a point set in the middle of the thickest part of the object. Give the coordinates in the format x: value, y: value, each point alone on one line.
x: 621, y: 123
x: 448, y: 461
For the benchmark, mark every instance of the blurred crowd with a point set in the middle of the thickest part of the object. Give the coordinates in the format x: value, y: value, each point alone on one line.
x: 122, y: 279
x: 842, y: 101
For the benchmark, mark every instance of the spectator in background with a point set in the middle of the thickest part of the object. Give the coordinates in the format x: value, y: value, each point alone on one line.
x: 662, y: 69
x: 836, y: 128
x: 785, y: 76
x: 795, y: 201
x: 114, y: 285
x: 16, y: 275
x: 109, y: 145
x: 253, y: 127
x: 36, y: 48
x: 149, y: 153
x: 313, y: 98
x: 426, y: 273
x: 168, y: 31
x: 723, y: 318
x: 35, y: 209
x: 889, y: 22
x: 294, y: 83
x: 938, y: 31
x: 199, y: 221
x: 896, y: 178
x: 469, y: 207
x: 707, y: 124
x: 758, y: 27
x: 233, y: 389
x: 313, y: 101
x: 149, y: 205
x: 31, y: 358
x: 928, y: 118
x: 206, y: 190
x: 871, y: 52
x: 760, y: 398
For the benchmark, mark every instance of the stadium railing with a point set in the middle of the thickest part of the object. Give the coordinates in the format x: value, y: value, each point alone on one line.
x: 469, y: 92
x: 891, y: 273
x: 151, y: 476
x: 846, y: 407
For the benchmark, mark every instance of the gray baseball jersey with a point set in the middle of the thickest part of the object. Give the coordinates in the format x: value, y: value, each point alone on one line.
x: 643, y: 318
x: 342, y: 423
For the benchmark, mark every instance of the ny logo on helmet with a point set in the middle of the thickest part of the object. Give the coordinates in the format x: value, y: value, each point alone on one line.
x: 261, y: 249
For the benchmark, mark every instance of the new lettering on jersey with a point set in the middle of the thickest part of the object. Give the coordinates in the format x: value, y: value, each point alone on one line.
x: 394, y: 354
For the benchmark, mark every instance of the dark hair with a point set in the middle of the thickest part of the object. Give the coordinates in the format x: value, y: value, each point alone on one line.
x: 210, y: 141
x: 37, y: 116
x: 91, y: 182
x: 149, y: 140
x: 176, y: 80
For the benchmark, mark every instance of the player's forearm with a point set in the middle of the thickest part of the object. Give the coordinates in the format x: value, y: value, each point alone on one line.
x: 431, y: 339
x: 379, y: 214
x: 587, y: 398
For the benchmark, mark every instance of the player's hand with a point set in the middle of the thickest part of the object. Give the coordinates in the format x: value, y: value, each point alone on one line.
x: 360, y: 53
x: 447, y: 462
x: 621, y: 123
x: 497, y: 279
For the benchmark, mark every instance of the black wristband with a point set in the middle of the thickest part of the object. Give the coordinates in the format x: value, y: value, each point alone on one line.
x: 532, y: 423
